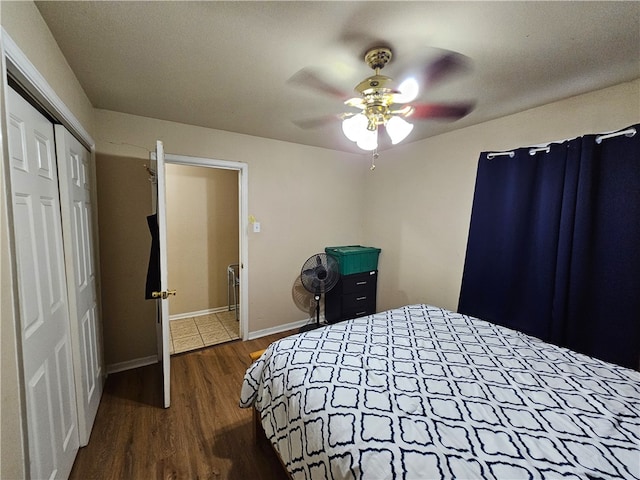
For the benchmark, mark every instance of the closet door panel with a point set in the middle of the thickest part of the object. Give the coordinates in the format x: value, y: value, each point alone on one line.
x: 52, y: 234
x: 29, y: 284
x: 44, y: 312
x: 40, y: 416
x: 77, y: 221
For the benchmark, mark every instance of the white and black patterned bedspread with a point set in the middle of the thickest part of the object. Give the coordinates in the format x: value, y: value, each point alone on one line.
x: 420, y: 393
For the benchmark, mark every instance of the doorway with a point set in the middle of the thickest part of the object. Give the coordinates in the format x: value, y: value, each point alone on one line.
x: 206, y: 207
x: 203, y: 251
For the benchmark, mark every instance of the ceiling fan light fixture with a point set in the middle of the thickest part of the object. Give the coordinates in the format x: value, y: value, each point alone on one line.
x: 398, y: 129
x: 354, y: 127
x: 408, y: 91
x: 368, y: 140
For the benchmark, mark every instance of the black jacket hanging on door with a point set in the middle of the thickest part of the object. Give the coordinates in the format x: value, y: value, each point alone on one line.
x: 153, y: 272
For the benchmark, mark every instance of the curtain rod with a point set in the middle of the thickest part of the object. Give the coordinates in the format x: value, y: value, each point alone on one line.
x: 629, y: 132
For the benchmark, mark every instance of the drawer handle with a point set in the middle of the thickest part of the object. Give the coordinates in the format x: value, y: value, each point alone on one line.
x: 361, y: 313
x: 361, y: 283
x: 361, y: 298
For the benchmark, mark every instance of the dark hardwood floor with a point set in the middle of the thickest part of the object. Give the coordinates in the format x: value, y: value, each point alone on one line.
x: 203, y: 435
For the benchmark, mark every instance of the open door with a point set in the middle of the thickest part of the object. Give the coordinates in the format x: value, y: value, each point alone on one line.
x: 159, y: 200
x: 162, y: 327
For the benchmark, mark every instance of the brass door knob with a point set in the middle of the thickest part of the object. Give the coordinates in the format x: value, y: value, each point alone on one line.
x: 164, y: 294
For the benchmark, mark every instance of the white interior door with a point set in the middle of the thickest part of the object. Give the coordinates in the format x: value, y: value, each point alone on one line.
x: 77, y: 225
x: 164, y: 293
x: 44, y: 313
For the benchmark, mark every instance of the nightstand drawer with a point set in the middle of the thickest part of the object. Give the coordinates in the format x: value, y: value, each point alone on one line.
x: 360, y: 282
x: 358, y: 312
x: 355, y: 300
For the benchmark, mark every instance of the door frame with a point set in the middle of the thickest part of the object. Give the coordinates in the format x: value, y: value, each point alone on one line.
x: 25, y: 73
x: 243, y: 220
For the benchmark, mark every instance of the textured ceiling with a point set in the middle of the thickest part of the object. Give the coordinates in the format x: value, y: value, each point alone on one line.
x: 227, y: 65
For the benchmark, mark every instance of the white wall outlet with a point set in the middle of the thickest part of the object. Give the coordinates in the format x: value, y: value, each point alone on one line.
x: 256, y: 227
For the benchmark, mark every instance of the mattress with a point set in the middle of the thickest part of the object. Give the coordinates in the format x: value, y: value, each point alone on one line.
x: 420, y: 392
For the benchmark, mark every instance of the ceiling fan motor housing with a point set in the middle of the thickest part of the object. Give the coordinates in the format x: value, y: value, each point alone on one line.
x: 378, y: 57
x: 377, y: 97
x: 375, y: 84
x: 377, y: 90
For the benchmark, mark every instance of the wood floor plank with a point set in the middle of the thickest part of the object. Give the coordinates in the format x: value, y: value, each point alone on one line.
x: 203, y: 435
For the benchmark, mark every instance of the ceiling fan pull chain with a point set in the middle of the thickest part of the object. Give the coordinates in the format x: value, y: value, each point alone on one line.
x: 374, y: 157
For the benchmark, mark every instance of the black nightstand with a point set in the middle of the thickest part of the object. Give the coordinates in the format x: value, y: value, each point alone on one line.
x: 353, y: 296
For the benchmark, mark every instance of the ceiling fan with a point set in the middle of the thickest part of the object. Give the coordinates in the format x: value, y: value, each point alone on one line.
x: 384, y: 103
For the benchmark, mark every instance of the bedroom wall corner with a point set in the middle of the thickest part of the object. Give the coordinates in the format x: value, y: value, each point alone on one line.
x: 24, y: 24
x: 422, y: 224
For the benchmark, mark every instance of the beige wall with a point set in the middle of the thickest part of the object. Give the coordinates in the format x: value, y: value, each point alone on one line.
x: 25, y: 26
x: 124, y: 201
x: 306, y: 198
x: 418, y: 200
x: 202, y: 235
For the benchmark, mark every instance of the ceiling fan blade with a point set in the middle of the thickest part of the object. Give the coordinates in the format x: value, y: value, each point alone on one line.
x: 355, y: 102
x: 441, y: 68
x: 307, y: 123
x: 437, y: 110
x: 307, y: 78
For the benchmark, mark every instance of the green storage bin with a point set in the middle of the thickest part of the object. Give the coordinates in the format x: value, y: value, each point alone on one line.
x: 354, y: 258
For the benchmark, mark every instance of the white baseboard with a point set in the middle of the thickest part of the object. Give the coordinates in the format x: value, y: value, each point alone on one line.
x: 180, y: 316
x: 131, y: 364
x: 282, y: 328
x: 143, y: 362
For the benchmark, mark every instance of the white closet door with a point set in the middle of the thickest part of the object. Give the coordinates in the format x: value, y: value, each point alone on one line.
x: 44, y: 313
x: 77, y: 225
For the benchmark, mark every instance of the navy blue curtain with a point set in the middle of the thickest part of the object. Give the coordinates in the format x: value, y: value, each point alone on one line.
x: 554, y: 245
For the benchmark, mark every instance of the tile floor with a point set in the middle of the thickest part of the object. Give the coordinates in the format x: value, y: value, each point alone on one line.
x: 203, y: 331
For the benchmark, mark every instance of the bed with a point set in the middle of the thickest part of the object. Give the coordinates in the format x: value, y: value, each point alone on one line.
x: 420, y: 392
